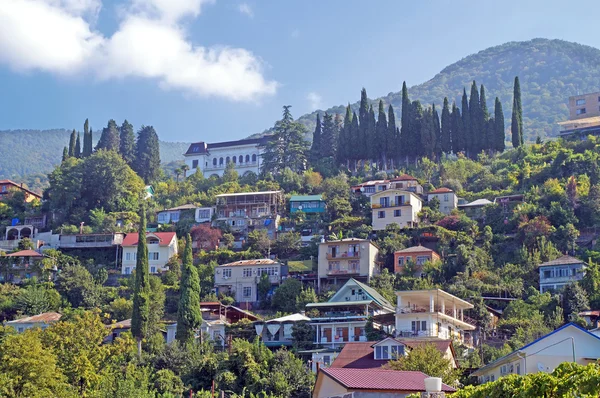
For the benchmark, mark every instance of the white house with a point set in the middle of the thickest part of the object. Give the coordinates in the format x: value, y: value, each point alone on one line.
x: 37, y: 321
x: 173, y: 215
x: 211, y: 159
x: 569, y: 343
x: 162, y: 246
x: 395, y: 206
x: 556, y: 274
x: 241, y: 278
x: 446, y: 196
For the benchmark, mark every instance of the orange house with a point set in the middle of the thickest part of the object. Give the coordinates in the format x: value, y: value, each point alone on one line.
x: 418, y: 255
x: 8, y: 187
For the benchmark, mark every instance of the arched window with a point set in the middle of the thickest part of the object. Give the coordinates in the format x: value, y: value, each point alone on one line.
x: 227, y: 160
x: 234, y: 159
x: 247, y: 158
x: 241, y: 159
x: 214, y: 161
x: 221, y: 161
x: 253, y: 158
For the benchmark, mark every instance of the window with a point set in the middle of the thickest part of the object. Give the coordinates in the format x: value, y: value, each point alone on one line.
x: 153, y: 256
x: 399, y: 199
x: 128, y: 256
x: 397, y: 213
x: 196, y: 149
x: 397, y: 351
x: 353, y: 266
x: 388, y: 352
x: 573, y: 271
x: 20, y: 329
x: 247, y: 158
x: 418, y: 326
x: 227, y: 160
x: 518, y: 369
x: 220, y: 161
x: 204, y: 213
x: 227, y: 273
x: 547, y: 274
x: 234, y: 159
x: 581, y: 111
x: 384, y: 202
x: 422, y: 260
x: 400, y: 260
x: 174, y: 217
x: 581, y: 101
x: 240, y: 159
x: 127, y: 271
x: 253, y: 158
x: 153, y: 270
x: 214, y: 161
x: 326, y: 360
x: 3, y: 188
x: 334, y: 266
x: 247, y: 292
x: 247, y: 272
x: 381, y: 214
x: 492, y: 377
x: 445, y: 197
x: 271, y: 271
x: 369, y: 189
x: 194, y: 164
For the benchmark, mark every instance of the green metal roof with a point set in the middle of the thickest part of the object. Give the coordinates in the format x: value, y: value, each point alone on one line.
x: 306, y: 198
x: 340, y: 303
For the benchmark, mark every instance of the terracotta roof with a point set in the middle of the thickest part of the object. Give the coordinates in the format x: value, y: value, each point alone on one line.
x: 164, y: 237
x: 46, y: 317
x: 25, y: 253
x: 380, y: 379
x: 361, y: 355
x: 404, y: 177
x: 441, y: 190
x: 4, y: 182
x: 564, y: 260
x: 261, y: 261
x: 415, y: 249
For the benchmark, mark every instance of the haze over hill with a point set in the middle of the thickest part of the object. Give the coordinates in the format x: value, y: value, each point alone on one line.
x: 550, y: 71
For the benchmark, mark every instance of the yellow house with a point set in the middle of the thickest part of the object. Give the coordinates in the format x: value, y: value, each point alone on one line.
x: 340, y: 260
x: 395, y: 206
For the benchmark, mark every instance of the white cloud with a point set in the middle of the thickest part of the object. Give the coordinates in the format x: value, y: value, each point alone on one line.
x: 56, y: 36
x: 245, y: 8
x: 315, y: 100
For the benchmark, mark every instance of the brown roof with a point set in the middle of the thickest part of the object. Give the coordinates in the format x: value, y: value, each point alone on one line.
x: 441, y: 190
x: 261, y: 261
x: 415, y: 249
x: 564, y: 260
x: 9, y: 182
x: 380, y: 379
x: 124, y: 324
x: 46, y: 317
x: 404, y: 177
x: 25, y: 253
x: 164, y: 238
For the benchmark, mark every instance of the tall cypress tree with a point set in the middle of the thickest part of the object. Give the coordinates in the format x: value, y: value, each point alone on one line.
x: 141, y: 292
x: 189, y: 317
x: 517, y: 116
x: 338, y: 125
x: 476, y: 132
x: 355, y: 151
x: 363, y: 120
x: 393, y: 134
x: 65, y: 154
x: 458, y: 134
x: 345, y: 138
x: 127, y: 143
x: 327, y: 137
x: 315, y: 149
x: 77, y: 151
x: 405, y: 124
x: 487, y: 142
x: 466, y: 121
x: 72, y: 143
x: 414, y: 134
x: 499, y: 134
x: 446, y: 129
x: 109, y: 140
x: 427, y: 134
x: 147, y: 154
x: 437, y: 133
x: 381, y: 137
x: 371, y: 135
x: 87, y: 140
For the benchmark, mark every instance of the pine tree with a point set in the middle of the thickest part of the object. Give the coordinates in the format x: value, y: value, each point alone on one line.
x: 381, y: 136
x: 127, y: 143
x: 72, y: 143
x: 147, y: 154
x: 477, y: 132
x: 109, y: 140
x: 87, y: 140
x: 517, y: 116
x: 315, y: 149
x: 141, y: 292
x: 393, y: 134
x: 466, y: 122
x: 436, y: 133
x: 405, y: 124
x: 287, y: 148
x: 65, y: 154
x: 327, y: 137
x: 189, y: 318
x: 446, y: 129
x: 457, y: 130
x: 77, y: 151
x: 499, y: 134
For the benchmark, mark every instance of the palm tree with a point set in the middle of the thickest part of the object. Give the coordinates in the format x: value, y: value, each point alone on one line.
x: 185, y: 169
x: 177, y: 174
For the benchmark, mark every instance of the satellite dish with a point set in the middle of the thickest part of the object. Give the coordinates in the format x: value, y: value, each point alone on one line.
x: 540, y: 366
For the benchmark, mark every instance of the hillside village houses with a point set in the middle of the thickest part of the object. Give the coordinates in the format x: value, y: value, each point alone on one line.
x: 41, y: 321
x: 8, y: 188
x: 340, y: 260
x: 416, y: 255
x: 556, y: 274
x: 173, y: 215
x: 447, y: 198
x: 162, y: 246
x: 395, y: 206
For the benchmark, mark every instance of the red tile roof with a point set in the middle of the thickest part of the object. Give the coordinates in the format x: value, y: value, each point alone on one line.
x: 404, y: 177
x: 441, y: 190
x: 415, y: 249
x: 165, y: 238
x: 46, y: 317
x: 9, y: 182
x: 380, y: 379
x: 25, y: 253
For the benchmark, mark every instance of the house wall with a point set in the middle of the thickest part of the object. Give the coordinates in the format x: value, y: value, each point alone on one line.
x: 591, y: 105
x: 574, y: 272
x: 129, y: 257
x: 367, y: 266
x: 413, y: 258
x: 239, y: 280
x: 205, y: 161
x: 326, y: 387
x: 408, y: 211
x: 448, y: 201
x: 21, y: 327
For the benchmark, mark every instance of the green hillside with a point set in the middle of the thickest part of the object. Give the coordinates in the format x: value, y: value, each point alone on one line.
x: 549, y: 70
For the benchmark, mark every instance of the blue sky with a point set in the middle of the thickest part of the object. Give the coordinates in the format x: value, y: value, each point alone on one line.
x: 201, y: 70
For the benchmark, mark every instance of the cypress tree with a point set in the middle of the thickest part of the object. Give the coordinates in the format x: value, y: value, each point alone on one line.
x: 381, y: 136
x: 363, y: 120
x: 72, y: 143
x: 474, y: 138
x: 109, y: 140
x: 338, y: 125
x: 87, y: 140
x: 499, y: 134
x: 127, y: 143
x: 370, y: 137
x: 327, y: 137
x: 517, y: 116
x: 77, y: 151
x: 427, y: 134
x: 414, y: 133
x: 141, y: 292
x: 457, y: 130
x: 436, y: 133
x: 393, y: 134
x: 466, y: 122
x: 344, y: 139
x: 65, y: 154
x: 446, y: 129
x: 355, y: 138
x: 147, y: 154
x: 405, y: 123
x: 189, y: 317
x: 487, y: 142
x: 315, y: 149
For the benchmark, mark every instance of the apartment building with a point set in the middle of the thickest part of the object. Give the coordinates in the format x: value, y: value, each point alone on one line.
x: 395, y: 206
x: 408, y: 183
x: 556, y: 274
x: 246, y: 211
x: 162, y: 246
x: 417, y: 255
x: 240, y: 278
x: 340, y: 260
x: 584, y: 116
x: 446, y: 196
x: 368, y: 188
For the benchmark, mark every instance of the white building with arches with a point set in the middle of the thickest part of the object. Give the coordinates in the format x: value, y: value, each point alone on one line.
x: 212, y: 159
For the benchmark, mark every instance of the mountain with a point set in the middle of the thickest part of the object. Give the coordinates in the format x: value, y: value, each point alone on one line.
x: 35, y: 152
x: 549, y: 71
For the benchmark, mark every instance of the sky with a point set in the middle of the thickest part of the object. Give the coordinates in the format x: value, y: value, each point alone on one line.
x: 215, y: 70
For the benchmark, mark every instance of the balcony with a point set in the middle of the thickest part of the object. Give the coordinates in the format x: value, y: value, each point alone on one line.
x: 343, y: 255
x: 334, y: 272
x: 447, y: 311
x: 443, y: 334
x: 390, y: 204
x: 237, y: 166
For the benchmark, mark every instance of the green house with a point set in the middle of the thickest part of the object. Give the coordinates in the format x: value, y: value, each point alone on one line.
x: 307, y: 204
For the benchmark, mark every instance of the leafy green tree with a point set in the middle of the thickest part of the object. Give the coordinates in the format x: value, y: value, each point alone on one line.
x: 499, y: 134
x: 76, y: 284
x: 109, y: 139
x: 141, y: 292
x: 37, y: 299
x: 306, y: 296
x: 363, y: 125
x: 428, y: 359
x: 476, y: 129
x: 328, y: 140
x: 303, y: 336
x: 393, y: 137
x: 284, y: 297
x: 65, y: 154
x: 344, y: 146
x: 466, y: 122
x: 287, y: 243
x: 189, y: 317
x: 517, y: 116
x: 263, y: 288
x: 258, y: 241
x: 230, y: 174
x: 289, y: 376
x: 457, y: 130
x: 574, y: 301
x: 427, y: 134
x: 405, y: 142
x: 127, y: 143
x: 147, y: 154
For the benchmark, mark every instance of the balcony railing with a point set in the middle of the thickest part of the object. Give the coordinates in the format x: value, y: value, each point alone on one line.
x: 338, y: 339
x: 447, y: 311
x: 343, y: 271
x: 343, y: 255
x: 390, y: 204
